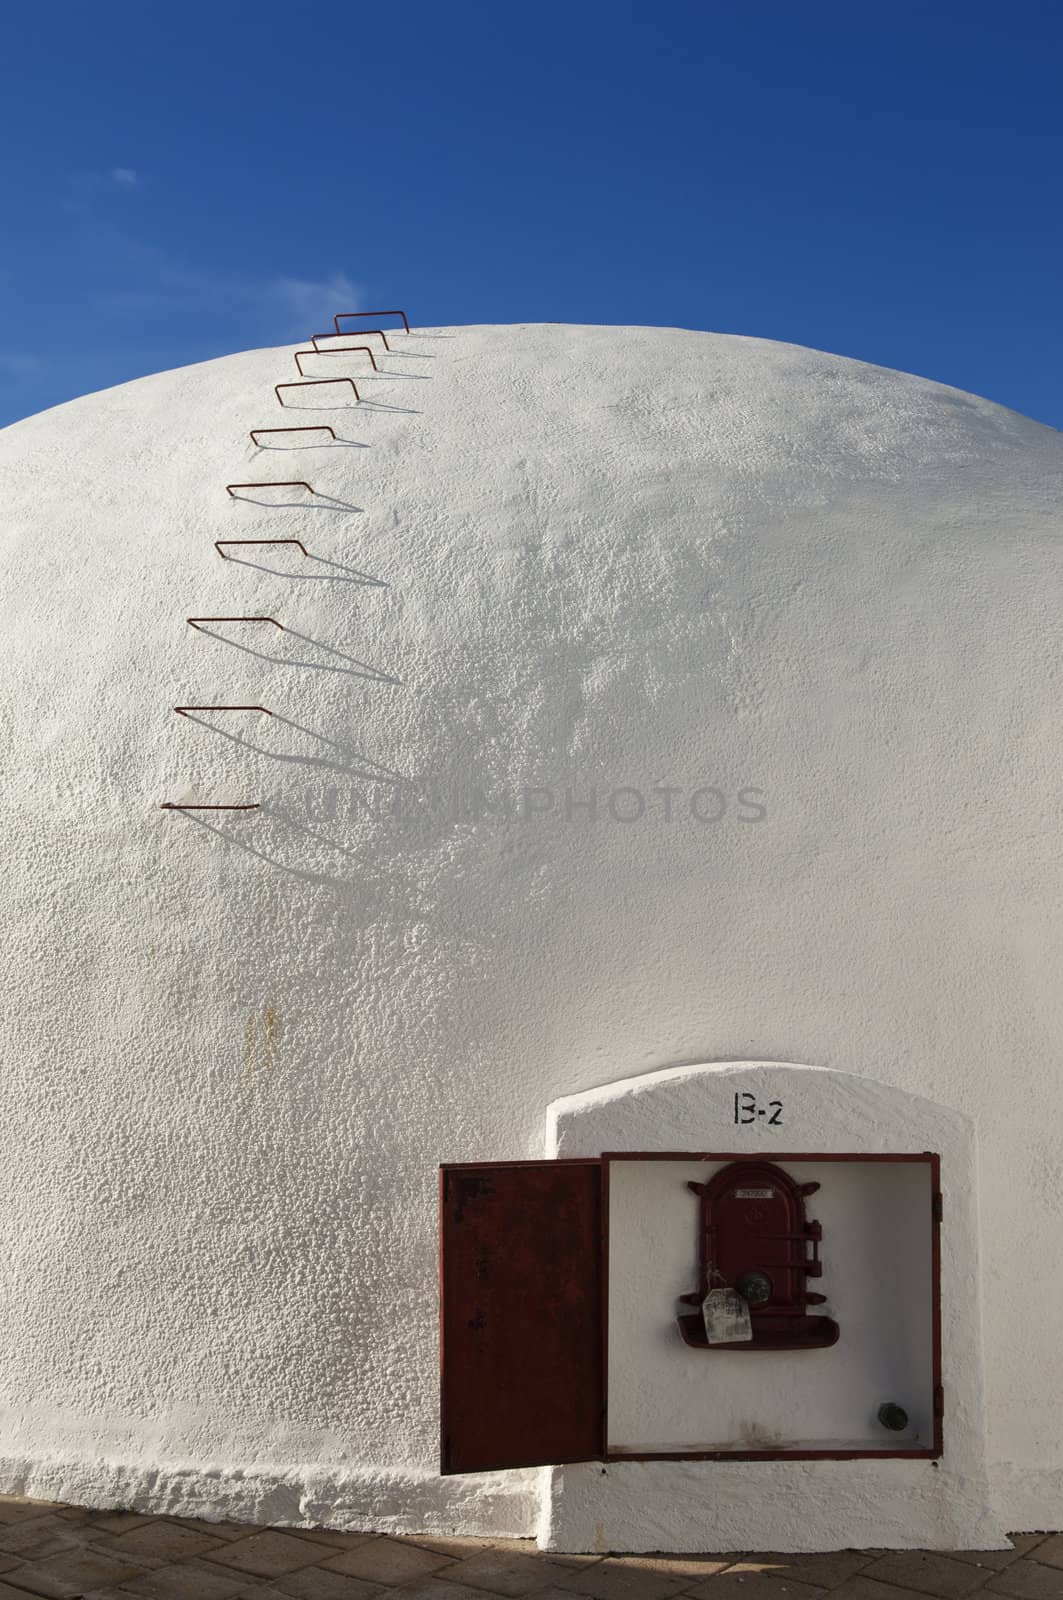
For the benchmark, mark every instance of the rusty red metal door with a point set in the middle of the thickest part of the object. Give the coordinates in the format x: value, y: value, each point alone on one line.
x: 522, y: 1381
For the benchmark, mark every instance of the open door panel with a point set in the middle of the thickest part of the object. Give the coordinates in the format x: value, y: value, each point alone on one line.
x: 521, y: 1314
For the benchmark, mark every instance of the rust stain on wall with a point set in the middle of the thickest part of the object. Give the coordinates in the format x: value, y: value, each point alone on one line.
x: 271, y: 1033
x: 261, y: 1035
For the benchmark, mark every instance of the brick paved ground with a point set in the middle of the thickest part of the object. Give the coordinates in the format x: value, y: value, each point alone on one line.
x: 66, y: 1553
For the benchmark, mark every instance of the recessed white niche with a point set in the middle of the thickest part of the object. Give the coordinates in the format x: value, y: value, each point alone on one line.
x: 878, y: 1277
x: 876, y: 1234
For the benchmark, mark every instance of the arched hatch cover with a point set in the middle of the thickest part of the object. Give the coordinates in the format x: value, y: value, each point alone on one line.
x: 754, y: 1240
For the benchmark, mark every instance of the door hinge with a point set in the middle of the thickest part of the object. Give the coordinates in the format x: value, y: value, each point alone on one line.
x: 937, y: 1207
x: 939, y: 1401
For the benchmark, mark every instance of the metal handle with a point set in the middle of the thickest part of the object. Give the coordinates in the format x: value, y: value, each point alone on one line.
x: 363, y: 333
x: 322, y: 427
x: 312, y: 383
x: 343, y: 349
x: 340, y: 314
x: 171, y: 805
x: 219, y: 542
x: 194, y: 622
x: 271, y: 483
x: 182, y: 711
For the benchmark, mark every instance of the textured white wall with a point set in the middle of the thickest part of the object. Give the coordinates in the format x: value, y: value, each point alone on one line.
x: 612, y: 558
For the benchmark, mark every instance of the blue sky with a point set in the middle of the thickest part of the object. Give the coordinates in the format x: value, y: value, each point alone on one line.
x: 880, y: 180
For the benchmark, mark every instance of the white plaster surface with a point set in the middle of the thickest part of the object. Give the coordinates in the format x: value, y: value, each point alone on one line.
x: 876, y: 1254
x: 612, y: 559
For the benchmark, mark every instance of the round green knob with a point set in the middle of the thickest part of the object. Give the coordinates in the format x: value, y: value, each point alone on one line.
x: 754, y: 1287
x: 893, y: 1417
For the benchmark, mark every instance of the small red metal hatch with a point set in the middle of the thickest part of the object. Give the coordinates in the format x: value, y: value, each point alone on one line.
x: 753, y: 1237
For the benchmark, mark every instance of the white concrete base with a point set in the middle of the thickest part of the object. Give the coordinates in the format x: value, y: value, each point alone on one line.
x: 499, y: 1505
x: 764, y: 1505
x: 1028, y: 1500
x: 791, y: 1505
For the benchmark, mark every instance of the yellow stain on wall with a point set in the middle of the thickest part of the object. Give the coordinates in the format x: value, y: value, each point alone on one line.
x: 272, y: 1030
x: 260, y: 1053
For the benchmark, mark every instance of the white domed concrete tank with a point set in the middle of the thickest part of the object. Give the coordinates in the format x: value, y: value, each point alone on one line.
x: 627, y: 699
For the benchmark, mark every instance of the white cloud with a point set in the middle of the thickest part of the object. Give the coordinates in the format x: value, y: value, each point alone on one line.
x: 270, y: 310
x: 311, y: 303
x: 83, y: 188
x: 278, y: 308
x: 20, y: 366
x: 151, y: 280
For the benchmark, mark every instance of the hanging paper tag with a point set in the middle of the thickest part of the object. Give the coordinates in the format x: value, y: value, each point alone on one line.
x: 726, y: 1317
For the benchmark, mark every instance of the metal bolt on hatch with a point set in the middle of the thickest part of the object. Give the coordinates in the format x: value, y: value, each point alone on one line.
x: 754, y: 1287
